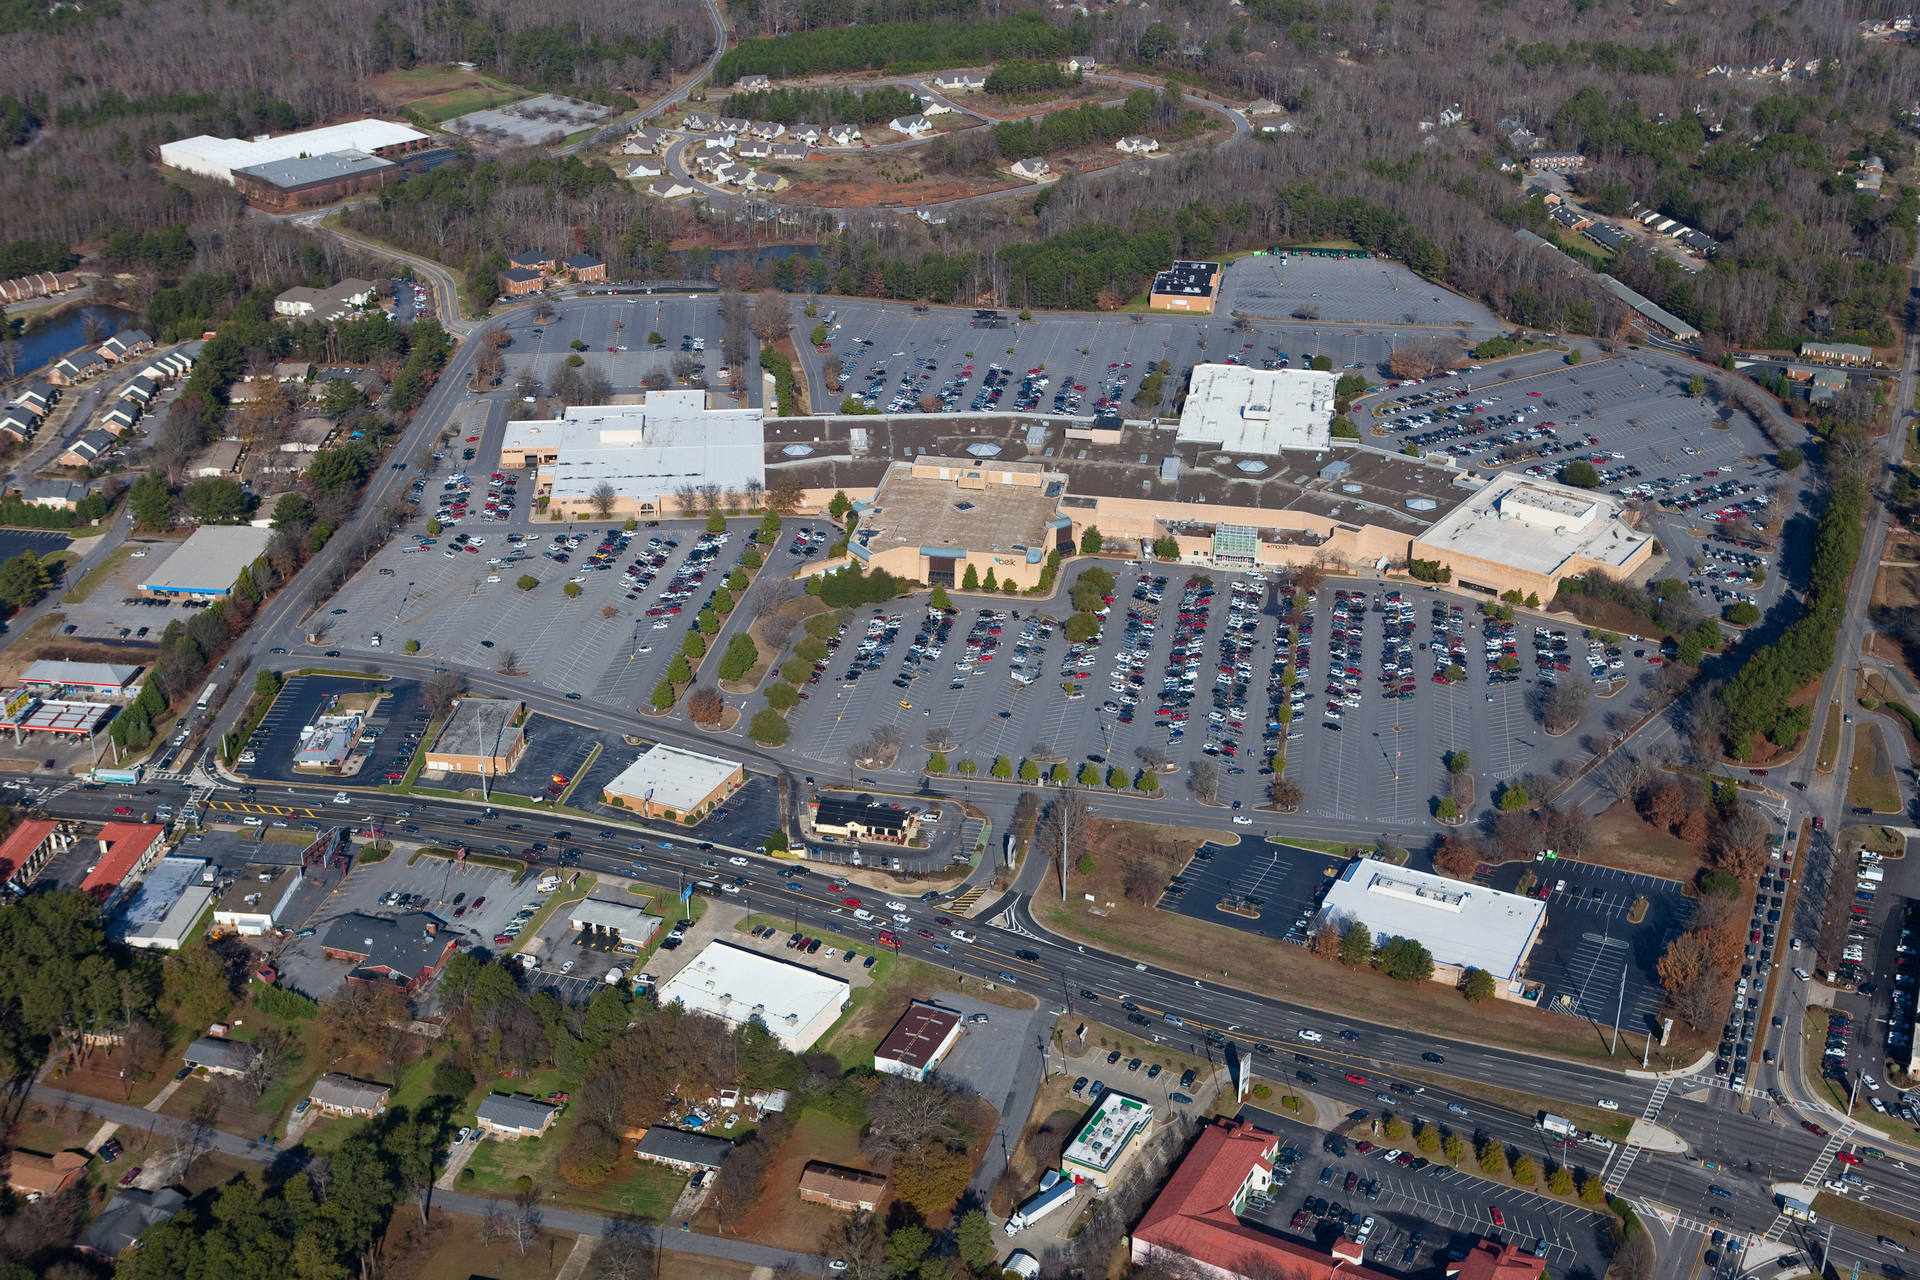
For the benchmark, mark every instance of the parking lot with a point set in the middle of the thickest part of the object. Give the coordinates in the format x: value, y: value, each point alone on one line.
x: 1189, y: 663
x: 442, y: 888
x: 115, y: 611
x: 1588, y: 940
x: 1419, y: 1217
x: 391, y: 732
x: 1363, y: 291
x: 895, y: 356
x: 1281, y: 884
x: 1701, y: 472
x: 620, y: 323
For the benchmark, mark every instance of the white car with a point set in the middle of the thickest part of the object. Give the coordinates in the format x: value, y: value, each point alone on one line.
x: 730, y: 887
x: 1607, y: 1104
x: 567, y: 967
x: 961, y: 935
x: 1242, y: 820
x: 737, y: 861
x: 1312, y: 1037
x: 893, y: 905
x: 901, y: 917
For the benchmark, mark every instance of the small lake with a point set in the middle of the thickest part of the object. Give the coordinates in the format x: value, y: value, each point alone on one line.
x: 43, y: 344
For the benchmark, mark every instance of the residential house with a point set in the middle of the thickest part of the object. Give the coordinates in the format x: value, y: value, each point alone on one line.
x: 342, y: 1095
x: 932, y: 106
x: 508, y: 1115
x: 766, y: 183
x: 87, y: 448
x: 767, y: 130
x: 753, y: 149
x: 121, y: 417
x: 914, y: 126
x: 19, y: 423
x: 39, y: 397
x: 292, y: 370
x: 700, y: 122
x: 1033, y: 168
x: 753, y: 84
x: 1545, y: 195
x: 1265, y: 107
x: 60, y: 495
x: 1701, y: 243
x: 220, y: 1057
x: 1607, y: 236
x: 1570, y: 218
x: 807, y: 133
x: 141, y: 390
x: 1136, y: 145
x: 681, y: 1150
x: 838, y: 1187
x: 1080, y: 66
x: 584, y: 268
x: 1557, y: 162
x: 34, y: 1175
x: 669, y: 189
x: 959, y: 82
x: 790, y: 153
x: 220, y: 458
x: 127, y: 342
x: 518, y: 282
x: 1451, y: 116
x: 1524, y: 139
x: 643, y: 142
x: 174, y: 364
x: 1873, y: 164
x: 1869, y: 181
x: 127, y: 1217
x: 76, y: 368
x: 645, y: 168
x: 734, y: 125
x: 731, y: 174
x: 714, y: 150
x: 842, y: 135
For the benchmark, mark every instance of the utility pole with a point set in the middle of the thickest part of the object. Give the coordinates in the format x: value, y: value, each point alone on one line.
x: 1619, y: 1005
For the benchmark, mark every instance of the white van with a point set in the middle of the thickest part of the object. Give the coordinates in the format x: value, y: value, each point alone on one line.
x: 861, y: 913
x: 341, y: 797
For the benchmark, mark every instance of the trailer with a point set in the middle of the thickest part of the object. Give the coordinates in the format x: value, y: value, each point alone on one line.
x: 1559, y: 1126
x: 1054, y: 1192
x: 126, y: 777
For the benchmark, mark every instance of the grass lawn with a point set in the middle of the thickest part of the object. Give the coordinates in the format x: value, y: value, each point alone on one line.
x: 450, y: 1248
x: 1622, y: 841
x: 642, y: 1191
x: 1234, y: 956
x: 1864, y: 1218
x: 781, y: 1219
x: 1829, y: 740
x: 1870, y: 782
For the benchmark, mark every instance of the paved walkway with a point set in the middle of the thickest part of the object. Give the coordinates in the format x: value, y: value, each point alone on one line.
x: 583, y: 1224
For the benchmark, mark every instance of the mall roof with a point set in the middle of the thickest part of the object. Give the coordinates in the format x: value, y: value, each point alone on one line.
x: 209, y: 561
x: 1536, y: 526
x: 796, y: 1004
x: 219, y: 157
x: 1465, y: 925
x: 1258, y: 411
x: 673, y: 777
x: 940, y: 503
x: 670, y: 439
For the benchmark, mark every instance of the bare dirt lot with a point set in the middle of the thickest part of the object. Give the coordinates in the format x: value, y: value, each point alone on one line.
x: 886, y: 178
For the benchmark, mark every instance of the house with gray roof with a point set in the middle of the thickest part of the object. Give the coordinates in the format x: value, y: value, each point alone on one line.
x: 221, y: 1057
x: 681, y: 1150
x: 127, y: 1217
x: 509, y: 1115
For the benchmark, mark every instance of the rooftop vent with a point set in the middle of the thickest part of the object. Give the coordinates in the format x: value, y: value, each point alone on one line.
x: 984, y: 449
x: 1252, y: 466
x: 1421, y: 504
x: 963, y: 506
x: 1350, y: 488
x: 798, y: 450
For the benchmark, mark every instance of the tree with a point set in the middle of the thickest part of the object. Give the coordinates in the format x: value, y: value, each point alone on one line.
x: 571, y: 590
x: 1457, y: 858
x: 663, y: 696
x: 1512, y: 798
x: 603, y: 497
x: 1524, y: 1172
x: 216, y: 500
x: 1696, y: 386
x: 970, y: 581
x: 1560, y: 1181
x: 839, y: 504
x: 1492, y: 1157
x: 740, y: 657
x: 1454, y: 1147
x: 768, y: 728
x: 1581, y: 474
x: 1406, y: 960
x: 1090, y: 541
x: 704, y: 705
x: 527, y: 582
x: 1326, y: 941
x: 1478, y: 986
x: 772, y: 317
x: 1592, y: 1190
x: 1562, y: 706
x: 23, y: 579
x: 1286, y: 794
x: 974, y: 1239
x: 152, y: 502
x: 1789, y: 459
x: 939, y: 599
x: 1089, y: 774
x: 782, y: 696
x: 1356, y: 945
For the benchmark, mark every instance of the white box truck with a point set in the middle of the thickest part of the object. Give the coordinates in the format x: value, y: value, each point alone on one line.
x: 1054, y: 1192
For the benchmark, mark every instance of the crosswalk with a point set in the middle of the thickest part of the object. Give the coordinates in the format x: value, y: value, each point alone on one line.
x: 263, y: 810
x: 964, y: 903
x: 1624, y: 1156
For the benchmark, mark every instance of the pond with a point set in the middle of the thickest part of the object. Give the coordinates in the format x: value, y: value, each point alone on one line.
x: 42, y: 344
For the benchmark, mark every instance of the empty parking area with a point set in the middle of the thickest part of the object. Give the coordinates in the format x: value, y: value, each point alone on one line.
x: 1699, y: 468
x: 1364, y: 291
x: 1589, y: 942
x: 1267, y: 888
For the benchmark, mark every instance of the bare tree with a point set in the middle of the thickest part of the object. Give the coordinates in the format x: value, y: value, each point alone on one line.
x: 1153, y: 757
x: 603, y: 497
x: 443, y: 688
x: 1206, y: 781
x: 772, y: 316
x: 1063, y: 825
x: 273, y: 1051
x: 523, y: 1226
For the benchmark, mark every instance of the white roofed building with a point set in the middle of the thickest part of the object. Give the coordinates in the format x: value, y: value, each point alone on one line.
x: 644, y: 452
x: 1522, y: 534
x: 674, y: 783
x: 796, y: 1004
x: 1465, y: 925
x: 217, y: 158
x: 1259, y: 411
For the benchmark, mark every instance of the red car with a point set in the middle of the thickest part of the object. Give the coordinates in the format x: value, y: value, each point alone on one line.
x: 851, y: 902
x: 1813, y: 1128
x: 1499, y: 1219
x: 501, y: 940
x: 122, y: 811
x: 1847, y: 1157
x: 888, y: 940
x: 1353, y: 1078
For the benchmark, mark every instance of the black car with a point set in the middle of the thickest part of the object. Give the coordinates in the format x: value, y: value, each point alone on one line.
x: 1029, y: 956
x: 1431, y: 1057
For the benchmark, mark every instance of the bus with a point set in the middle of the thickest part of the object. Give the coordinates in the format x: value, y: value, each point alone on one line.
x: 206, y: 696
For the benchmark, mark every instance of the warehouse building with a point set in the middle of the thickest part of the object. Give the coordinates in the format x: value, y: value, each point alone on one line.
x: 221, y: 158
x: 165, y: 912
x: 919, y: 1042
x: 1190, y: 287
x: 796, y: 1004
x: 1465, y: 926
x: 1260, y: 411
x: 209, y: 562
x: 484, y: 736
x: 670, y: 442
x: 1521, y: 534
x: 306, y: 181
x: 1105, y: 1139
x: 674, y: 783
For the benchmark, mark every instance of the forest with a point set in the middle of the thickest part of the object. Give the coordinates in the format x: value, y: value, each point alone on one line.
x: 901, y: 46
x: 822, y: 107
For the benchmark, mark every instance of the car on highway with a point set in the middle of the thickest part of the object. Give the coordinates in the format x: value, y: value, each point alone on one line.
x: 1354, y: 1077
x: 1607, y: 1104
x: 1312, y: 1037
x: 1432, y: 1057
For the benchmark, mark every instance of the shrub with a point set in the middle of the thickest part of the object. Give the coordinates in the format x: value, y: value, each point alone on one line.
x: 740, y: 657
x: 783, y: 697
x: 768, y: 728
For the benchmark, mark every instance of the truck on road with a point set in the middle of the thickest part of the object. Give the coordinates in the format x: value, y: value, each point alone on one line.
x: 1558, y: 1126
